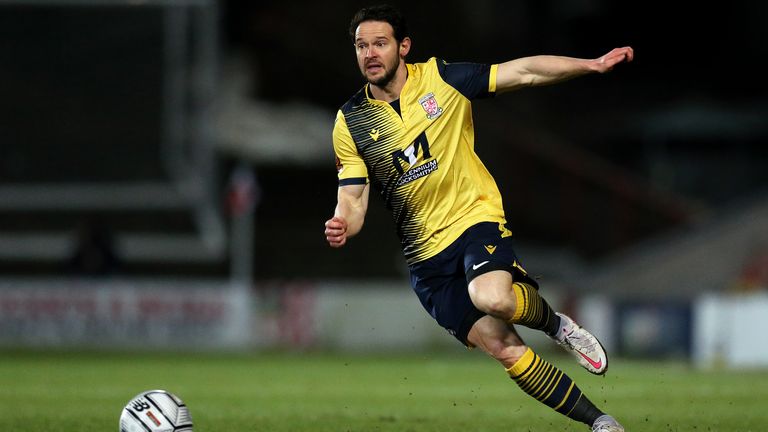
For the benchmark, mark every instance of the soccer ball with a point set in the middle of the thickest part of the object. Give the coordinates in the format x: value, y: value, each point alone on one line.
x: 155, y: 411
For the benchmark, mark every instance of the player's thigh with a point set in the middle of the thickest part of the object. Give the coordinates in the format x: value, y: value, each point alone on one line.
x: 497, y: 338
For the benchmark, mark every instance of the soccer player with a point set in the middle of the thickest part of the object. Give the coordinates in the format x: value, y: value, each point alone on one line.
x: 409, y: 133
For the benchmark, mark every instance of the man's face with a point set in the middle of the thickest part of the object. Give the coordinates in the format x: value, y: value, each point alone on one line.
x: 378, y: 53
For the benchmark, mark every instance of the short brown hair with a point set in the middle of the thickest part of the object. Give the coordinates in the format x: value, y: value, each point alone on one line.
x: 385, y: 13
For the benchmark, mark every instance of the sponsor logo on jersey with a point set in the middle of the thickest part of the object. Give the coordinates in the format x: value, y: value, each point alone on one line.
x: 418, y: 172
x: 404, y: 161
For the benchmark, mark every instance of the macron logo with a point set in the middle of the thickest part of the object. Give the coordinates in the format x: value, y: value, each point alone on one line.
x: 374, y: 134
x: 477, y: 266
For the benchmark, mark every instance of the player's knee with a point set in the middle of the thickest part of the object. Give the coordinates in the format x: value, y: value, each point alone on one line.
x: 498, y: 302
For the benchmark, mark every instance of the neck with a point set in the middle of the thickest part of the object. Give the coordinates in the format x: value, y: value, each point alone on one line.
x: 391, y: 91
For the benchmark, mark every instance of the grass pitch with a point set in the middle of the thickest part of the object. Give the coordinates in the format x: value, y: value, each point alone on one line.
x: 440, y: 392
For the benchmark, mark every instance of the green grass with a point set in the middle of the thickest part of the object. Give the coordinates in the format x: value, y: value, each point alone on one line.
x: 440, y: 392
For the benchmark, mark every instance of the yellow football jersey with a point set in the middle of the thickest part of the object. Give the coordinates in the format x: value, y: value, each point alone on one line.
x: 422, y: 159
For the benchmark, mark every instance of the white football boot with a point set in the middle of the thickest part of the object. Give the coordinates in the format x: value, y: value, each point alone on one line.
x: 581, y: 344
x: 606, y: 423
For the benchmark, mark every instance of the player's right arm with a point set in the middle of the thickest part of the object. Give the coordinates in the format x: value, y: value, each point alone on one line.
x: 347, y: 220
x: 352, y: 196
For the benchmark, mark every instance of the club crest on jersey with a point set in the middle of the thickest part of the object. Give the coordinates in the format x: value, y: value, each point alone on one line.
x: 429, y: 103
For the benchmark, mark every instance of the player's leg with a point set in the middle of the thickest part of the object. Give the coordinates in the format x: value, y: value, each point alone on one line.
x: 535, y: 376
x: 518, y: 302
x: 497, y: 294
x: 498, y: 284
x: 500, y: 287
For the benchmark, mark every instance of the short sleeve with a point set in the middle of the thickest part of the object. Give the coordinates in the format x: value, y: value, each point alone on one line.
x: 473, y: 80
x: 350, y: 167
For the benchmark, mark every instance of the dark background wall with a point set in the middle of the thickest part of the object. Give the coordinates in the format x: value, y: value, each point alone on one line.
x: 590, y: 166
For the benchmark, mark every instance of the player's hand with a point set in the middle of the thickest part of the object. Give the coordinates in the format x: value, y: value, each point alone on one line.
x: 614, y: 57
x: 336, y: 231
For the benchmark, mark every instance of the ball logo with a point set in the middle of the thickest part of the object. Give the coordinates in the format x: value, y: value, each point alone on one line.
x: 153, y: 418
x: 139, y: 405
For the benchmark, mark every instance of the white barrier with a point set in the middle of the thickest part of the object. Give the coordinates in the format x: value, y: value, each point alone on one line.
x: 348, y: 316
x: 164, y: 314
x: 729, y: 330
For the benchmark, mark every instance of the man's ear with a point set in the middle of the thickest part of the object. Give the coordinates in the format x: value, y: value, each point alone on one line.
x: 405, y: 46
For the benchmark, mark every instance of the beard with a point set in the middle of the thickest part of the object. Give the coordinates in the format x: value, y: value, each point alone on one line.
x: 382, y: 81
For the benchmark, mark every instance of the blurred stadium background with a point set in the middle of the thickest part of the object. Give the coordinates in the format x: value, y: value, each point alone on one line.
x: 166, y: 168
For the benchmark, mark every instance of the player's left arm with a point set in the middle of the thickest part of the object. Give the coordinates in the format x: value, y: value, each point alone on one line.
x: 547, y: 69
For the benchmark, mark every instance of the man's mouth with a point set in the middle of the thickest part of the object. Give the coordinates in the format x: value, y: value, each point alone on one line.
x: 373, y: 67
